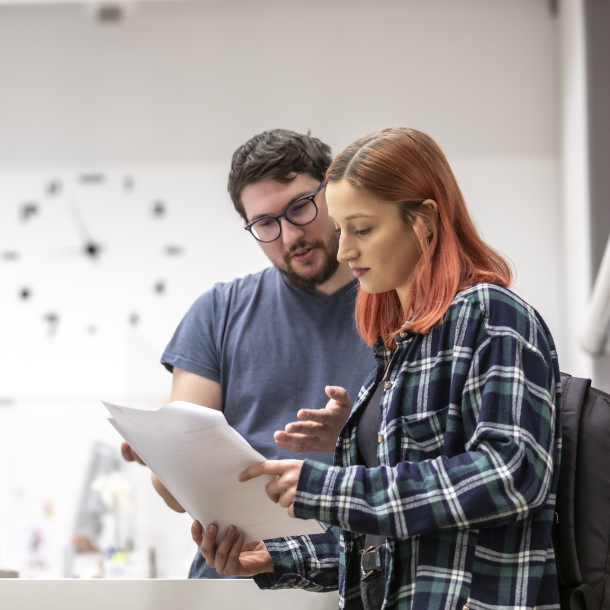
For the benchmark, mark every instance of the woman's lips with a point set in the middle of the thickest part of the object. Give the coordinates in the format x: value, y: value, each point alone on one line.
x: 359, y: 271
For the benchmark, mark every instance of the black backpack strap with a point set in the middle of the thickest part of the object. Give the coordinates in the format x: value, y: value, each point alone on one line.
x: 578, y: 599
x: 574, y: 390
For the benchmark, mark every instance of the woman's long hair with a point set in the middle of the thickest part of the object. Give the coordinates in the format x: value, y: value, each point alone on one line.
x: 400, y: 165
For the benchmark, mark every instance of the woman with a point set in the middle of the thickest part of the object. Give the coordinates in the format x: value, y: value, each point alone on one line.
x: 446, y: 471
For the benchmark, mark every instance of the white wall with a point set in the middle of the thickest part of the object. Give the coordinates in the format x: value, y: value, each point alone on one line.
x: 185, y: 82
x: 165, y: 97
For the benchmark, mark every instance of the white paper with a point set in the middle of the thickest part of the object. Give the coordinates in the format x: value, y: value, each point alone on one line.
x: 197, y: 456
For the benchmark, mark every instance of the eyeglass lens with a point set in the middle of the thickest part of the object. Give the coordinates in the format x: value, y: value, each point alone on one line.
x: 301, y: 212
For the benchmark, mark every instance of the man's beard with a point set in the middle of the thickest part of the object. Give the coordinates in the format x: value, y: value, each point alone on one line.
x: 329, y: 266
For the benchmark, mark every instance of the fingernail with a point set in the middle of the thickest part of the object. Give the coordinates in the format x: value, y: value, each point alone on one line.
x: 212, y: 529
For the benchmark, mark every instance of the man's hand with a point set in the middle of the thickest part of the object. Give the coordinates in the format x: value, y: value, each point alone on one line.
x: 231, y: 556
x: 320, y: 429
x: 282, y: 490
x: 129, y: 454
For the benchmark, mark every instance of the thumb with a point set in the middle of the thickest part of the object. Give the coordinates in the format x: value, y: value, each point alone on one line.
x: 338, y: 394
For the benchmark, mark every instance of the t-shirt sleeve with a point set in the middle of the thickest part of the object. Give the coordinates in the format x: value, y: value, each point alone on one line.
x: 195, y: 346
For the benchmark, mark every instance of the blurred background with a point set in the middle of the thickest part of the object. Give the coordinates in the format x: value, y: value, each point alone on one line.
x: 117, y: 126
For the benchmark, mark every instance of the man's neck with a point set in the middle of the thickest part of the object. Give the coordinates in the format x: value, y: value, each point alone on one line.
x: 342, y: 277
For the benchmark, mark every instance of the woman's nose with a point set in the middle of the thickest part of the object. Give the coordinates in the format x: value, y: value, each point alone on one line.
x: 344, y: 254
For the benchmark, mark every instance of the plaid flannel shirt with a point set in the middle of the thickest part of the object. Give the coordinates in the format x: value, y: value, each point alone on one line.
x: 469, y: 448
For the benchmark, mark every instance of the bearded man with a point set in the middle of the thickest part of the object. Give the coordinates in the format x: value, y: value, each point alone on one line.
x: 263, y: 348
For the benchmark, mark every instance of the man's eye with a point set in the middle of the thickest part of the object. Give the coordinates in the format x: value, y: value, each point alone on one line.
x: 265, y: 223
x: 299, y: 207
x: 337, y: 229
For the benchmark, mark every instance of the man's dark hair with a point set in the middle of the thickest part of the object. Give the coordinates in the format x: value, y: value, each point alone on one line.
x: 276, y: 155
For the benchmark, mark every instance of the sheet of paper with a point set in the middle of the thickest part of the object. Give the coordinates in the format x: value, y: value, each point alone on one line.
x: 197, y: 456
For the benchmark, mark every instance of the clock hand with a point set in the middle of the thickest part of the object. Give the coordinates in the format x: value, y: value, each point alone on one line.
x: 77, y: 217
x: 90, y: 248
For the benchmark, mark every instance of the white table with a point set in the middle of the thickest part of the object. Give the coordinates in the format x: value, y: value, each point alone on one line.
x: 23, y: 594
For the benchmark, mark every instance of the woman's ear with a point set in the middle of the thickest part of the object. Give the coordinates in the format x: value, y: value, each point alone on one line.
x: 432, y: 214
x: 432, y: 204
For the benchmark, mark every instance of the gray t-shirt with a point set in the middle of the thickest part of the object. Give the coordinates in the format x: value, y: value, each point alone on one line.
x: 273, y: 348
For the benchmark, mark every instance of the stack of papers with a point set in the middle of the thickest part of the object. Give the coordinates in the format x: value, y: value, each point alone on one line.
x: 197, y: 456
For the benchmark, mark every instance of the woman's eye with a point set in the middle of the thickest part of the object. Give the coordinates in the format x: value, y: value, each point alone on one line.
x: 363, y: 231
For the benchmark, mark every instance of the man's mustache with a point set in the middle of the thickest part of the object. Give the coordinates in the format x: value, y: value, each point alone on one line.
x: 318, y: 243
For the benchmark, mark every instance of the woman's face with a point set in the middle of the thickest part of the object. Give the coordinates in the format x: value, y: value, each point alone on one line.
x: 379, y: 247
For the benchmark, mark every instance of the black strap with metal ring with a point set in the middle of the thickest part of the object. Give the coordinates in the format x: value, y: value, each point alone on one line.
x: 371, y: 560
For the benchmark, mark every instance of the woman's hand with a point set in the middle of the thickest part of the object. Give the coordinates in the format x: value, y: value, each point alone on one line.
x: 283, y: 489
x: 231, y: 556
x: 320, y: 429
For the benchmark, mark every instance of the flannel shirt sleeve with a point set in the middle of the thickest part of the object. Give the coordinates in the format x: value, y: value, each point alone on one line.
x: 502, y: 472
x: 303, y: 562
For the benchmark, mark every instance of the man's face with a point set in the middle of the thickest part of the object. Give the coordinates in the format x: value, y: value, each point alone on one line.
x: 307, y: 254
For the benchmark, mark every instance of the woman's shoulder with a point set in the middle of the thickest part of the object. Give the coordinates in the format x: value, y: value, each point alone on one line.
x: 493, y: 299
x: 501, y: 312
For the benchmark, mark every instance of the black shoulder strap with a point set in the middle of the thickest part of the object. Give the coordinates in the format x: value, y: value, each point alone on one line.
x: 574, y: 391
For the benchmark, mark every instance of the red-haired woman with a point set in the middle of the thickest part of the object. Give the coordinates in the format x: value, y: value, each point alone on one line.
x: 443, y: 490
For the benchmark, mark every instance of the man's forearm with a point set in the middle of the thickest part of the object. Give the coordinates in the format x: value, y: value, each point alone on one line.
x: 164, y: 493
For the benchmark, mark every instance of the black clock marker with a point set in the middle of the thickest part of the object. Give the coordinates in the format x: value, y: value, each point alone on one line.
x: 53, y: 187
x: 92, y: 178
x: 92, y: 250
x: 160, y: 287
x: 53, y: 319
x: 28, y: 210
x: 174, y: 250
x: 25, y: 293
x: 134, y: 318
x: 128, y: 183
x: 158, y: 209
x: 10, y: 255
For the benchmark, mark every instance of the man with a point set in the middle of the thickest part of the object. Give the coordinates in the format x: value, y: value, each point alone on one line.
x: 263, y: 348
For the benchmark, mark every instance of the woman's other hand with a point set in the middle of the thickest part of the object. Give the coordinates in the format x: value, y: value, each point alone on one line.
x: 282, y: 490
x: 231, y: 556
x: 320, y: 428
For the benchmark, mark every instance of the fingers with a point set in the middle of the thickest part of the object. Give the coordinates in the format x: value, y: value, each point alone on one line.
x: 312, y: 427
x: 273, y: 467
x: 197, y: 533
x: 302, y: 441
x: 338, y: 394
x: 224, y: 549
x: 285, y: 484
x: 129, y: 454
x: 208, y: 544
x: 233, y: 560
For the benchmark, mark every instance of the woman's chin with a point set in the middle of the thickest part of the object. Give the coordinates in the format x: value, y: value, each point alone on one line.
x: 371, y: 289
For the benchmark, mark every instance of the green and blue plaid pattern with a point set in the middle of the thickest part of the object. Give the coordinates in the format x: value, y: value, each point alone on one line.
x: 469, y: 448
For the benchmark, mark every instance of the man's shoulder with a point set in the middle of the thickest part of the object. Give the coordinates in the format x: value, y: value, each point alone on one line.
x: 242, y: 287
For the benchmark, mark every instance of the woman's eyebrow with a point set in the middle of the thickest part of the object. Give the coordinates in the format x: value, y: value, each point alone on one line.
x: 359, y: 215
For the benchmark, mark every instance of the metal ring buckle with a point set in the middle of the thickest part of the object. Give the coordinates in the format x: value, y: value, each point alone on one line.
x: 364, y: 575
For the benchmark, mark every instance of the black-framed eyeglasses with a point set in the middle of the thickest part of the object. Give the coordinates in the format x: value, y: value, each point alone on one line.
x: 300, y: 212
